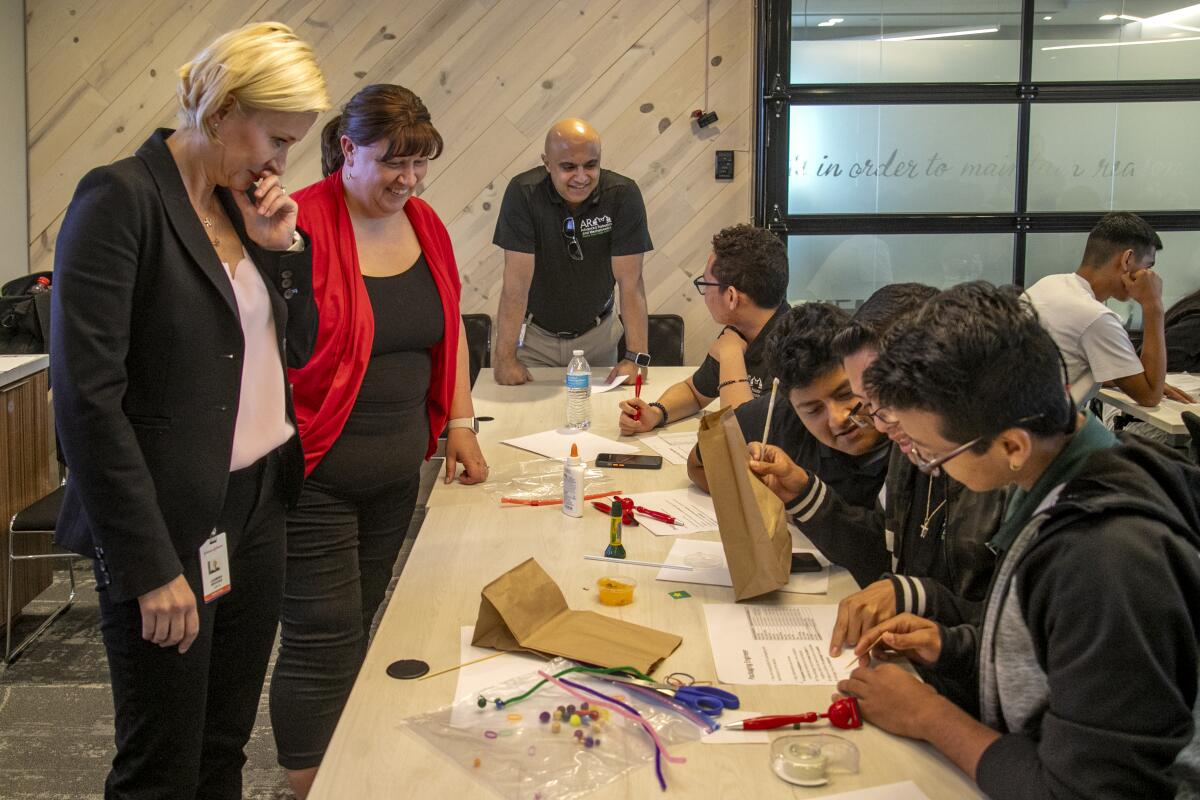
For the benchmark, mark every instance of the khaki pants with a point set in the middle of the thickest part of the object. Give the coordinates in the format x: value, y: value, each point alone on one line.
x: 599, y: 345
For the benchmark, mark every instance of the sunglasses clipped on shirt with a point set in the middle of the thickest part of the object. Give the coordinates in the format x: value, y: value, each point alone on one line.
x: 574, y: 249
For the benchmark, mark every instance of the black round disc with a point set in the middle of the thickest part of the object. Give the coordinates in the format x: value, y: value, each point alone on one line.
x: 407, y: 668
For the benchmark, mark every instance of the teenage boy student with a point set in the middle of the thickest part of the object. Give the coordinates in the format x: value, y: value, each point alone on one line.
x: 923, y: 550
x: 1117, y: 262
x: 811, y: 422
x: 744, y: 287
x: 1086, y: 658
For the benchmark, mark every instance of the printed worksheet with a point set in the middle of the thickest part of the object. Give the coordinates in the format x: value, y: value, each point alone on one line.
x: 674, y: 447
x: 775, y: 645
x: 692, y: 509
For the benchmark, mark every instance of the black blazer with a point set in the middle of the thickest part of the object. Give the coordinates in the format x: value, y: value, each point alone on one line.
x: 146, y: 364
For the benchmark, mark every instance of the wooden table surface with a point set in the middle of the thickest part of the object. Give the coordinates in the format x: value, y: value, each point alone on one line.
x: 468, y: 539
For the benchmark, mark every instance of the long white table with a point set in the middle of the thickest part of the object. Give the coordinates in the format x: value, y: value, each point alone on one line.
x: 1167, y: 415
x: 468, y: 539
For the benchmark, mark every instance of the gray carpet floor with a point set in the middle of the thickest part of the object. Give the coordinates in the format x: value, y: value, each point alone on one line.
x: 56, y: 715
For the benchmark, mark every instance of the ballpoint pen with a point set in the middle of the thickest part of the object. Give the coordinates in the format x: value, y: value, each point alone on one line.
x: 658, y: 515
x: 842, y: 714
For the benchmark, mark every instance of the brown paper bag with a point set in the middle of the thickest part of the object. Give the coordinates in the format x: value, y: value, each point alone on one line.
x: 754, y: 534
x: 524, y: 609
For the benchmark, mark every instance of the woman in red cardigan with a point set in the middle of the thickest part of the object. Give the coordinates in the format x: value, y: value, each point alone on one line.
x: 389, y: 372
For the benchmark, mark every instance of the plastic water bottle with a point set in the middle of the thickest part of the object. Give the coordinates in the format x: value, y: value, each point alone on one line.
x: 579, y: 392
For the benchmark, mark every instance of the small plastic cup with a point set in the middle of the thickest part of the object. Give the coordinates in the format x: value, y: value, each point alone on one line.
x: 616, y: 590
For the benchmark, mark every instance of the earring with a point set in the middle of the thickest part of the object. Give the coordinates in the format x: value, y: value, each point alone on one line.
x: 1014, y: 467
x: 349, y: 174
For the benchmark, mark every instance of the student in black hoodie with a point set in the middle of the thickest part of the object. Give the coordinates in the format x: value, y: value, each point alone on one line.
x: 1086, y: 659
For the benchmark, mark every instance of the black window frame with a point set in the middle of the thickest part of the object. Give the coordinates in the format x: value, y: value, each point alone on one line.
x: 776, y: 95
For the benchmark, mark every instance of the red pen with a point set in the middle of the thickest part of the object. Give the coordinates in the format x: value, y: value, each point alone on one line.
x: 658, y: 515
x: 637, y: 392
x: 842, y: 714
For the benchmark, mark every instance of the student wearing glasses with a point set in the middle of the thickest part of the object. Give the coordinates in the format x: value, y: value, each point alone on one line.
x: 921, y: 549
x: 744, y: 287
x: 571, y: 232
x: 1085, y: 661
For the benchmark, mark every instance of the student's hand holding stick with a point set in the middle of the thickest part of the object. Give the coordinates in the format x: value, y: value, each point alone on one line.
x: 777, y: 471
x: 916, y: 638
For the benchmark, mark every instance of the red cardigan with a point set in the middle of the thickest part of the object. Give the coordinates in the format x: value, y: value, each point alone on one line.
x: 324, y: 390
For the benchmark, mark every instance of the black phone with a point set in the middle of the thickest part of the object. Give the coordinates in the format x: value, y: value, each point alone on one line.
x: 805, y: 562
x: 628, y: 461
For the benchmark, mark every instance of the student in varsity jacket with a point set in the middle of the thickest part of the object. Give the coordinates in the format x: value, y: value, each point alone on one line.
x: 1086, y: 659
x: 922, y: 549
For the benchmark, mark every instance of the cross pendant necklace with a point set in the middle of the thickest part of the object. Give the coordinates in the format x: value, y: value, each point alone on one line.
x: 930, y: 514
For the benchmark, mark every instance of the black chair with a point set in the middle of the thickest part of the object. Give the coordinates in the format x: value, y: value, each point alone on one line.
x: 665, y: 335
x: 37, y: 519
x: 479, y: 342
x: 1192, y: 421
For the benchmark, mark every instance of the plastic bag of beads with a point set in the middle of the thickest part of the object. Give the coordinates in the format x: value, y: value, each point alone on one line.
x: 570, y: 736
x: 539, y: 479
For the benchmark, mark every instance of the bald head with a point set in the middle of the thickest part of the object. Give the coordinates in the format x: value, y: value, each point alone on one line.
x: 572, y: 157
x: 568, y: 132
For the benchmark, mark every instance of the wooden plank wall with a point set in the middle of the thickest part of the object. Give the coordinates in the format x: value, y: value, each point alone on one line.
x: 494, y: 74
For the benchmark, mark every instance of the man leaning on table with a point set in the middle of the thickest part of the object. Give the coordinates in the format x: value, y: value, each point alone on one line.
x: 1117, y: 262
x: 744, y: 286
x: 570, y: 231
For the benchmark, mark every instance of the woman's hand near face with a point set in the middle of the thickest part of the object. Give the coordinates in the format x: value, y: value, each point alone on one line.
x: 271, y: 219
x: 462, y: 447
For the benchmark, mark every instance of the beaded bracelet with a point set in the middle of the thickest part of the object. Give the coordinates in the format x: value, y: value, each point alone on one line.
x: 723, y: 384
x: 661, y: 408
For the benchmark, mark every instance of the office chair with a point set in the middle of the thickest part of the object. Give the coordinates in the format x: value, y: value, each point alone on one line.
x: 665, y: 335
x: 479, y: 342
x: 37, y: 519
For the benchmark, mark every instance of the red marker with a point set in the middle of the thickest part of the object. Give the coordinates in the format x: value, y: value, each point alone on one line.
x: 637, y: 392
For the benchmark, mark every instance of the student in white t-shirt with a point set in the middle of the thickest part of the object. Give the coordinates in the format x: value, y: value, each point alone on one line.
x: 1117, y: 262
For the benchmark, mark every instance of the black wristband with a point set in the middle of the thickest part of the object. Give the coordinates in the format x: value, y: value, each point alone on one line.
x: 723, y: 384
x: 661, y: 408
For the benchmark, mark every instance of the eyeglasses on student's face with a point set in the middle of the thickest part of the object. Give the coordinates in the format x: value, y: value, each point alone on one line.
x: 864, y: 417
x: 701, y: 284
x: 574, y: 249
x: 928, y: 466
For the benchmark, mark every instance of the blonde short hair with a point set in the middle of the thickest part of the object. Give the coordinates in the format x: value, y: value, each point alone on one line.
x: 262, y: 65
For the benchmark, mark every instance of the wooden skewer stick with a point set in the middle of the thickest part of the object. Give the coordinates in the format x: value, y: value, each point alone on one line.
x: 854, y: 663
x: 459, y: 666
x: 770, y: 411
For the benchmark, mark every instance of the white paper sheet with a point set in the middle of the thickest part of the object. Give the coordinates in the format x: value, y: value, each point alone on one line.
x: 475, y: 678
x: 557, y: 444
x: 674, y: 447
x: 774, y: 645
x: 724, y: 736
x: 893, y: 791
x: 707, y: 560
x: 601, y: 388
x: 690, y: 506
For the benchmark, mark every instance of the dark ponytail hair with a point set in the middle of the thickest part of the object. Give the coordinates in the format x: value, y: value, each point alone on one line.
x: 377, y: 112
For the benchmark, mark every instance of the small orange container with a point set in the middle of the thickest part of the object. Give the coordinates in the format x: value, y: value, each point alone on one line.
x: 616, y: 590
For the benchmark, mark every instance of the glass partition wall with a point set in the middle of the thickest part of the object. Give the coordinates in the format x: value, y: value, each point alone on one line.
x: 947, y: 140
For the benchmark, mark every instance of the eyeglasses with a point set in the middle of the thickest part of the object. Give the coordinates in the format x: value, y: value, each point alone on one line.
x: 700, y: 284
x: 574, y: 249
x: 864, y: 419
x: 928, y: 466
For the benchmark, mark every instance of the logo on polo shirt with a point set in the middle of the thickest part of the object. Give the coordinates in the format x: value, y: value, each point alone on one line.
x: 595, y: 226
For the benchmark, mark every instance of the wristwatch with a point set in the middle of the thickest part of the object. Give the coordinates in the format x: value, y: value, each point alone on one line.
x: 641, y: 359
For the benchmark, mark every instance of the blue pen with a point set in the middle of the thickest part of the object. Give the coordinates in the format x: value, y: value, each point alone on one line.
x: 524, y: 325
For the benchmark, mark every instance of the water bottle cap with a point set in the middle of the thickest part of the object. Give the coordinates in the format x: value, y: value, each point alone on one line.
x: 576, y: 352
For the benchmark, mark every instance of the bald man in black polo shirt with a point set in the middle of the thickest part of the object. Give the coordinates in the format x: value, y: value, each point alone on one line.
x: 570, y: 232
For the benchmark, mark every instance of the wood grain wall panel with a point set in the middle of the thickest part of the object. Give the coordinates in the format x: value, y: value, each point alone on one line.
x: 494, y: 74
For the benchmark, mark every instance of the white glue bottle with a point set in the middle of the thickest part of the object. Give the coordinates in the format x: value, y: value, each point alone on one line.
x: 573, y: 484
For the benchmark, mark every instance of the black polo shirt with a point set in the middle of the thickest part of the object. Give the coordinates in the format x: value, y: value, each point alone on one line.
x: 759, y: 372
x: 856, y: 479
x: 568, y: 295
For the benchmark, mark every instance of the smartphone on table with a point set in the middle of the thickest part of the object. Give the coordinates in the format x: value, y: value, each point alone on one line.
x: 628, y: 461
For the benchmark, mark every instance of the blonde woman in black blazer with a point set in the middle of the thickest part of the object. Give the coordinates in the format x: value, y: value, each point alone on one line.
x: 182, y: 291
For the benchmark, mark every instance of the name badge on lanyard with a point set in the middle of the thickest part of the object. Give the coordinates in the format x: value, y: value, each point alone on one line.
x: 214, y: 567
